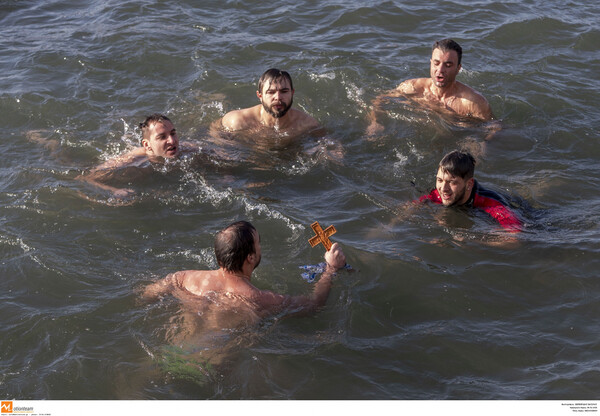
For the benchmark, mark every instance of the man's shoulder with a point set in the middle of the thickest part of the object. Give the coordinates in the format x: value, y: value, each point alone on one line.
x: 484, y: 197
x: 413, y: 86
x: 432, y: 196
x: 195, y: 281
x: 306, y: 120
x: 465, y: 91
x: 241, y: 119
x: 474, y: 103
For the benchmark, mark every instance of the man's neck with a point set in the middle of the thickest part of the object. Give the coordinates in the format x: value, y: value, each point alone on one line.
x: 240, y: 275
x: 472, y: 192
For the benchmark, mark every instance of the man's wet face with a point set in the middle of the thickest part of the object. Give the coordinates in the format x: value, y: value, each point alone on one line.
x: 453, y: 190
x: 444, y: 67
x: 162, y: 140
x: 277, y: 97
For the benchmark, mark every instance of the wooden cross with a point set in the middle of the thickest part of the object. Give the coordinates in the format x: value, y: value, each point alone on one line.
x: 322, y: 236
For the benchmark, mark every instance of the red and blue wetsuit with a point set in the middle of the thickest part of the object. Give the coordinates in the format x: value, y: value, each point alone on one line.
x: 487, y: 200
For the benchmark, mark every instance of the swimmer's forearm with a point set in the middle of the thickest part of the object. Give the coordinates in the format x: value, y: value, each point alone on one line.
x: 91, y: 178
x: 493, y: 127
x: 323, y: 287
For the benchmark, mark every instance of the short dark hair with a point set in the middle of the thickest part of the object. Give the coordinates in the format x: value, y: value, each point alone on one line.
x: 152, y: 119
x: 234, y: 244
x: 448, y: 45
x: 456, y: 163
x: 271, y: 75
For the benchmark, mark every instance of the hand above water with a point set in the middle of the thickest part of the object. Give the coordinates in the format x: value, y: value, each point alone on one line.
x: 335, y: 257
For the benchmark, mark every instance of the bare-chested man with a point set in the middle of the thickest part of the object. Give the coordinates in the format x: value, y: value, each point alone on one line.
x: 440, y: 91
x: 274, y: 124
x: 159, y: 142
x: 275, y: 93
x: 228, y: 289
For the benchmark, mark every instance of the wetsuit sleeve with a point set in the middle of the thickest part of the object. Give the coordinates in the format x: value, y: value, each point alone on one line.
x: 504, y: 215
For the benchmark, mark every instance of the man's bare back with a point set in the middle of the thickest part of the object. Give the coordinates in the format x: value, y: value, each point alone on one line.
x: 218, y: 293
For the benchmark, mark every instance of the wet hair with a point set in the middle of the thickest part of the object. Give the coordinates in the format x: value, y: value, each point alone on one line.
x: 234, y: 244
x: 458, y: 164
x: 152, y: 119
x: 273, y: 75
x: 447, y: 45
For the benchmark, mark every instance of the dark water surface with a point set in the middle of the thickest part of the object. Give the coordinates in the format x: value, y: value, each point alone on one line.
x: 433, y: 310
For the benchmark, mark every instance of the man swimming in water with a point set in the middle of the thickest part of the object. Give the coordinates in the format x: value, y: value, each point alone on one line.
x: 227, y: 289
x: 440, y: 91
x: 456, y: 186
x: 274, y: 124
x: 276, y: 95
x: 159, y: 142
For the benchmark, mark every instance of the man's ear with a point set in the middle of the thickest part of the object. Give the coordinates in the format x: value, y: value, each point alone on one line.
x: 259, y: 95
x: 146, y: 145
x: 470, y: 183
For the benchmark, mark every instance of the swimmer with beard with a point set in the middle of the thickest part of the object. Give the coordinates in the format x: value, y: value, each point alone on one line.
x: 276, y: 95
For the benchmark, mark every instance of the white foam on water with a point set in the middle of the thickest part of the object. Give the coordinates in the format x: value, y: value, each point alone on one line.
x: 400, y: 163
x: 205, y: 256
x: 16, y: 242
x: 271, y: 213
x: 327, y: 75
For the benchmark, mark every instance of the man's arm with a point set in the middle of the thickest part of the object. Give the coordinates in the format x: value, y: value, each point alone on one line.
x: 273, y: 303
x: 474, y: 104
x: 97, y: 175
x: 405, y: 88
x: 162, y: 287
x: 506, y: 217
x: 375, y: 128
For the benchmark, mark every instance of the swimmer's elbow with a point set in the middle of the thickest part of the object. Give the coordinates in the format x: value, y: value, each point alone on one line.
x: 155, y: 290
x: 150, y: 293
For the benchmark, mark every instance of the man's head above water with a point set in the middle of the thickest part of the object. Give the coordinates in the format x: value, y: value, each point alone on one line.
x: 159, y: 136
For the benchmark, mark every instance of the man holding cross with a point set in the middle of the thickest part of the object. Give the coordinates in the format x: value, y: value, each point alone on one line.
x: 228, y: 289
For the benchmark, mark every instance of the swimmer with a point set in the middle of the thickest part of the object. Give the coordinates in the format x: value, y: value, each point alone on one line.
x: 440, y: 91
x: 159, y: 142
x: 274, y: 124
x: 228, y: 289
x: 456, y: 186
x: 275, y: 93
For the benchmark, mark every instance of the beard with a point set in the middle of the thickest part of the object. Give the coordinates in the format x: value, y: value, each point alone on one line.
x: 280, y: 113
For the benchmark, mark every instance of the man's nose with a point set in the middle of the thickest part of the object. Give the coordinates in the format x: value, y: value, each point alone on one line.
x: 171, y: 138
